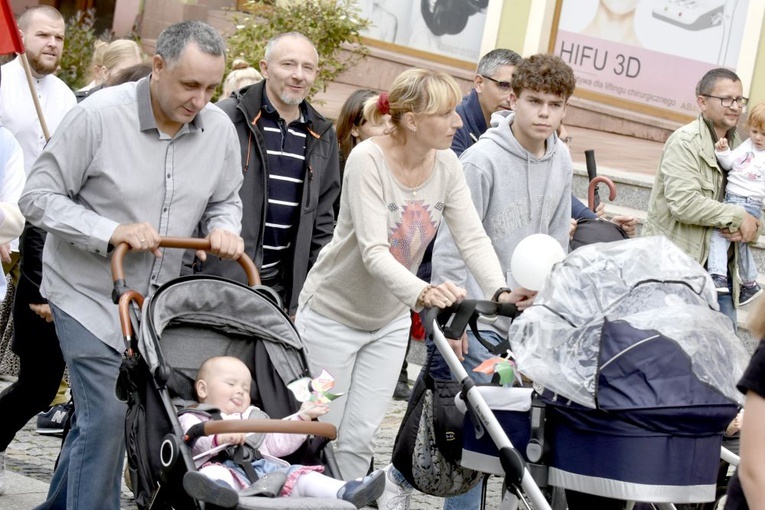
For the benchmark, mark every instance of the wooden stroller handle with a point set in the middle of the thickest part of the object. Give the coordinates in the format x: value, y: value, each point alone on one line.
x: 188, y: 243
x: 314, y: 428
x: 124, y: 313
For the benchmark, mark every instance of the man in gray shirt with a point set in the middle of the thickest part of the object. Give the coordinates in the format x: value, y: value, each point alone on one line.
x: 130, y: 164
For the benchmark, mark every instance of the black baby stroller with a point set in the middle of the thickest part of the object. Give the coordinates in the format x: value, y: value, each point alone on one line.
x: 635, y: 372
x: 183, y: 323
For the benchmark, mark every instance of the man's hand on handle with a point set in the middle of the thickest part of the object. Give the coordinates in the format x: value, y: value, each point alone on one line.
x: 223, y: 243
x: 140, y: 237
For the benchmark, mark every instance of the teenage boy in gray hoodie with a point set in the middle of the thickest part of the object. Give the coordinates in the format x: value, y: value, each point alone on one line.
x: 519, y: 174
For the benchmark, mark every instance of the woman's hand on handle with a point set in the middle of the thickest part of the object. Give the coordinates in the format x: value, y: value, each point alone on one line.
x: 443, y: 295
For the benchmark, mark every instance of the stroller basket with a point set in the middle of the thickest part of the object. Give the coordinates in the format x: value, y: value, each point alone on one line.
x: 511, y: 407
x: 480, y: 455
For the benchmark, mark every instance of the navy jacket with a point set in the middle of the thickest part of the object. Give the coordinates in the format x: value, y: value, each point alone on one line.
x: 473, y: 123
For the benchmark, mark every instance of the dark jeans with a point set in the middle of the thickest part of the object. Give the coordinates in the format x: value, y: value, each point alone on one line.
x: 89, y: 470
x: 725, y: 302
x: 41, y: 365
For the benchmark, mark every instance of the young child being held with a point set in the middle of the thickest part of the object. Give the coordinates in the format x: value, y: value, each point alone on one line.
x: 746, y: 187
x: 223, y: 382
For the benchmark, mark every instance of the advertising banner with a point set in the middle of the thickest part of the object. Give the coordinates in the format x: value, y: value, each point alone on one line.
x: 649, y: 52
x: 447, y: 28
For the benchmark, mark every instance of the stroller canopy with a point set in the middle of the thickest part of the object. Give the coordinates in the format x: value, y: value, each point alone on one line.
x: 630, y: 325
x: 205, y: 303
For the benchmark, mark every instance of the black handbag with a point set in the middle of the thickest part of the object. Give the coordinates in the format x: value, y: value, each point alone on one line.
x: 428, y: 446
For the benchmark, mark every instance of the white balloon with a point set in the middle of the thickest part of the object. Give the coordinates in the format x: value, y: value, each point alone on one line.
x: 533, y: 260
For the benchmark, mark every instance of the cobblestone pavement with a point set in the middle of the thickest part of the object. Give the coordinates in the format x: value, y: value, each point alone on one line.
x: 33, y: 455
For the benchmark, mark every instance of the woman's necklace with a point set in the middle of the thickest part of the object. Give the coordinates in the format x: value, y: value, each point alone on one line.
x: 419, y: 178
x: 418, y: 182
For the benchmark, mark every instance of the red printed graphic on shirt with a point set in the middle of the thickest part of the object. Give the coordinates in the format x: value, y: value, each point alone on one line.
x: 412, y: 234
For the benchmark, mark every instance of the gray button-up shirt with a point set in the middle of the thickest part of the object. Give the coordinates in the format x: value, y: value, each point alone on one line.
x: 107, y: 165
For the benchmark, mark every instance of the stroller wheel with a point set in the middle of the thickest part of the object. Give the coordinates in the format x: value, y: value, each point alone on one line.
x: 169, y: 451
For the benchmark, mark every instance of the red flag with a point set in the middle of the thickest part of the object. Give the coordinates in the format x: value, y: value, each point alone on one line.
x: 10, y: 39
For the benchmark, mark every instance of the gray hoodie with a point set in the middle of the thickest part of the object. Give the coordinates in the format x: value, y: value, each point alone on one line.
x: 515, y: 194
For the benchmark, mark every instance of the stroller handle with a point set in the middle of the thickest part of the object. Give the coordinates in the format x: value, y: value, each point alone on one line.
x: 187, y: 243
x: 314, y: 428
x: 456, y: 318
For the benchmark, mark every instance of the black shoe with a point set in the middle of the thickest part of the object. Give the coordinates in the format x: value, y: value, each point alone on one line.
x: 721, y: 284
x: 202, y: 488
x: 362, y: 492
x: 748, y: 294
x: 402, y: 391
x: 53, y: 421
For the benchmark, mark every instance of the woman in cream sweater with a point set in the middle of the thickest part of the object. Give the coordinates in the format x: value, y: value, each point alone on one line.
x: 354, y: 308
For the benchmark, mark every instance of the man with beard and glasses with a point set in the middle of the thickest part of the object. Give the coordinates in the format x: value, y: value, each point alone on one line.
x: 291, y: 169
x: 41, y: 365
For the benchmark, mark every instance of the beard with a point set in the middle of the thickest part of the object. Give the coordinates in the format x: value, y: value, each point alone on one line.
x: 292, y: 100
x: 42, y: 68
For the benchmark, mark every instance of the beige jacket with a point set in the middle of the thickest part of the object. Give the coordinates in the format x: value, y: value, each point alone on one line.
x: 686, y: 200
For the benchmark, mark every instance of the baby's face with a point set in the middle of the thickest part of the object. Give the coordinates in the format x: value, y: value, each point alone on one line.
x: 757, y: 136
x: 227, y: 387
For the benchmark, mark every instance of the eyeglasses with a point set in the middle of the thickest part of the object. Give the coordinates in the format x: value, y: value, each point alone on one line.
x: 727, y: 102
x: 504, y: 86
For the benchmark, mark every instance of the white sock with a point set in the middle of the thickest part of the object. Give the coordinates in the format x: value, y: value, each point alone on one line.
x: 316, y: 485
x: 220, y: 473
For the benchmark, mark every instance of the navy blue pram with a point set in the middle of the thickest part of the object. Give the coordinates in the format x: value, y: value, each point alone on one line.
x: 634, y: 374
x: 638, y: 370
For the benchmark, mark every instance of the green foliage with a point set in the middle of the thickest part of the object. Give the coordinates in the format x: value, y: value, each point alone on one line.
x: 327, y: 23
x: 79, y: 42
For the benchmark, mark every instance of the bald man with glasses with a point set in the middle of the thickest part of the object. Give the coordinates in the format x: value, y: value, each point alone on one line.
x: 686, y: 201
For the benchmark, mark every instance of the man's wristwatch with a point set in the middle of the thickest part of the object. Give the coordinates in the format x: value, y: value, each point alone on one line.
x: 500, y: 290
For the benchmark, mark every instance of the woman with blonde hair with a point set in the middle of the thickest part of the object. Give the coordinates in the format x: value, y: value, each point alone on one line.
x: 354, y: 308
x: 96, y: 70
x: 113, y: 58
x: 119, y: 55
x: 241, y: 75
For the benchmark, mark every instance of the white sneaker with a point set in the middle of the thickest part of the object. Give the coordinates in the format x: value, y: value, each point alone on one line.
x: 394, y: 497
x: 2, y: 472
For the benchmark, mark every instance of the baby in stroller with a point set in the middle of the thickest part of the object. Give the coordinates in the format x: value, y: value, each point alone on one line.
x: 223, y: 383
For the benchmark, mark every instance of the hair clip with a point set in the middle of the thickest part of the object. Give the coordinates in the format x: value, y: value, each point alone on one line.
x: 383, y: 106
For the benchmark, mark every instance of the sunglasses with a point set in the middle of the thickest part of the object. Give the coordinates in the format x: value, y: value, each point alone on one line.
x: 504, y: 86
